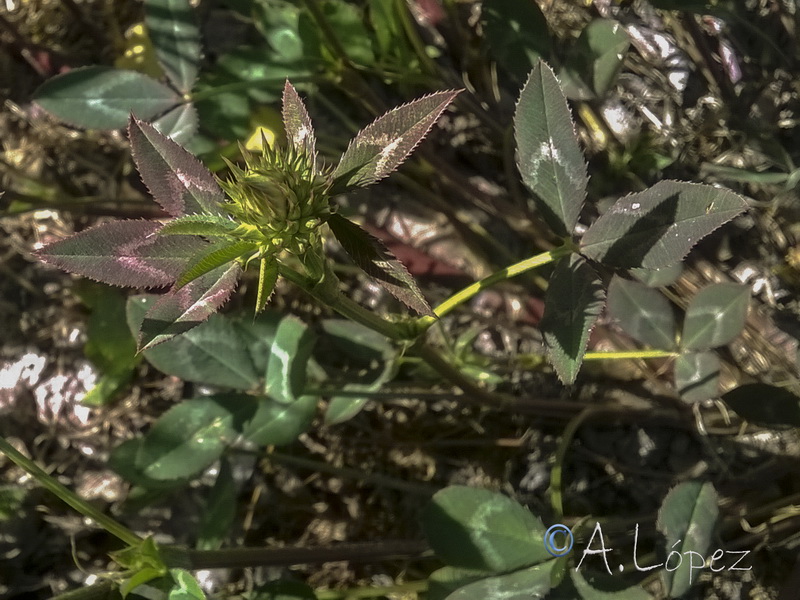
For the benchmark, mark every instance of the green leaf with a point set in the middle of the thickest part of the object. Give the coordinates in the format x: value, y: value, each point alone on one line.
x: 658, y: 277
x: 447, y: 580
x: 765, y: 404
x: 219, y: 511
x: 124, y: 253
x: 139, y: 578
x: 186, y: 586
x: 587, y: 592
x: 656, y: 228
x: 208, y: 225
x: 643, y: 313
x: 172, y: 27
x: 697, y: 376
x: 382, y: 146
x: 477, y: 529
x: 103, y: 97
x: 180, y: 310
x: 548, y: 156
x: 288, y: 360
x: 267, y: 278
x: 687, y: 519
x: 572, y: 304
x: 277, y: 423
x: 715, y: 316
x: 215, y: 256
x: 175, y: 178
x: 532, y: 583
x: 592, y: 67
x: 179, y: 124
x: 375, y: 260
x: 283, y: 589
x: 299, y: 130
x: 517, y: 34
x: 190, y: 436
x: 215, y: 352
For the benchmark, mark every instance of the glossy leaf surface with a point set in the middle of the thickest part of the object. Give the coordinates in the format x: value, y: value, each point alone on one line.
x: 572, y: 304
x: 643, y: 313
x: 548, y: 156
x: 715, y: 316
x: 657, y: 227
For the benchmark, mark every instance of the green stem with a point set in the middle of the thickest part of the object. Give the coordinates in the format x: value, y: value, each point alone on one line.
x: 470, y: 291
x: 533, y: 360
x: 68, y: 496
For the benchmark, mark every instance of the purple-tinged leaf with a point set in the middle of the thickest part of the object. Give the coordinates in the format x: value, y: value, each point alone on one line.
x: 177, y: 180
x: 180, y: 310
x: 209, y: 225
x: 124, y: 253
x: 211, y: 257
x: 377, y: 262
x: 297, y: 123
x: 382, y: 146
x: 267, y: 278
x: 656, y: 228
x: 572, y: 304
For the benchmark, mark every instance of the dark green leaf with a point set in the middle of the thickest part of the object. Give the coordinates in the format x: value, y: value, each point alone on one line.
x: 532, y: 583
x: 477, y: 529
x: 656, y: 228
x: 697, y: 376
x: 658, y: 277
x: 267, y: 278
x: 643, y: 313
x: 548, y: 156
x: 278, y: 423
x: 288, y: 360
x: 124, y: 253
x: 572, y: 304
x: 215, y: 256
x: 190, y: 436
x: 297, y: 123
x: 179, y: 124
x: 103, y: 97
x: 447, y: 580
x: 257, y: 335
x: 372, y: 256
x: 219, y: 511
x: 587, y: 592
x: 180, y: 310
x: 123, y: 461
x: 215, y: 352
x: 715, y: 316
x: 592, y: 66
x: 177, y: 180
x: 382, y: 146
x: 687, y: 519
x: 208, y: 225
x: 517, y: 34
x: 765, y: 404
x: 172, y: 27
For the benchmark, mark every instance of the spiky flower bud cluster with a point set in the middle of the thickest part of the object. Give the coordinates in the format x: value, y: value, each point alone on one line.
x: 279, y: 199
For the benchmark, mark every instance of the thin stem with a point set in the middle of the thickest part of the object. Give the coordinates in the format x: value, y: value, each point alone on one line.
x: 68, y: 496
x: 630, y: 354
x: 470, y: 291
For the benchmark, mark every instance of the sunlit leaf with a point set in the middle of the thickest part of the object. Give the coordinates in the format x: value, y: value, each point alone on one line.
x: 382, y: 146
x: 186, y: 586
x: 180, y: 310
x: 572, y: 304
x: 657, y: 227
x: 176, y: 38
x: 299, y: 130
x: 687, y: 518
x: 276, y: 423
x: 267, y: 278
x: 697, y: 375
x: 179, y: 124
x: 658, y: 277
x: 642, y: 312
x: 103, y: 97
x: 209, y: 259
x: 288, y: 360
x: 447, y: 580
x: 478, y: 529
x: 765, y: 404
x: 594, y: 62
x: 372, y: 256
x: 715, y: 316
x: 175, y: 178
x: 548, y: 156
x: 124, y: 253
x: 532, y: 583
x: 208, y: 225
